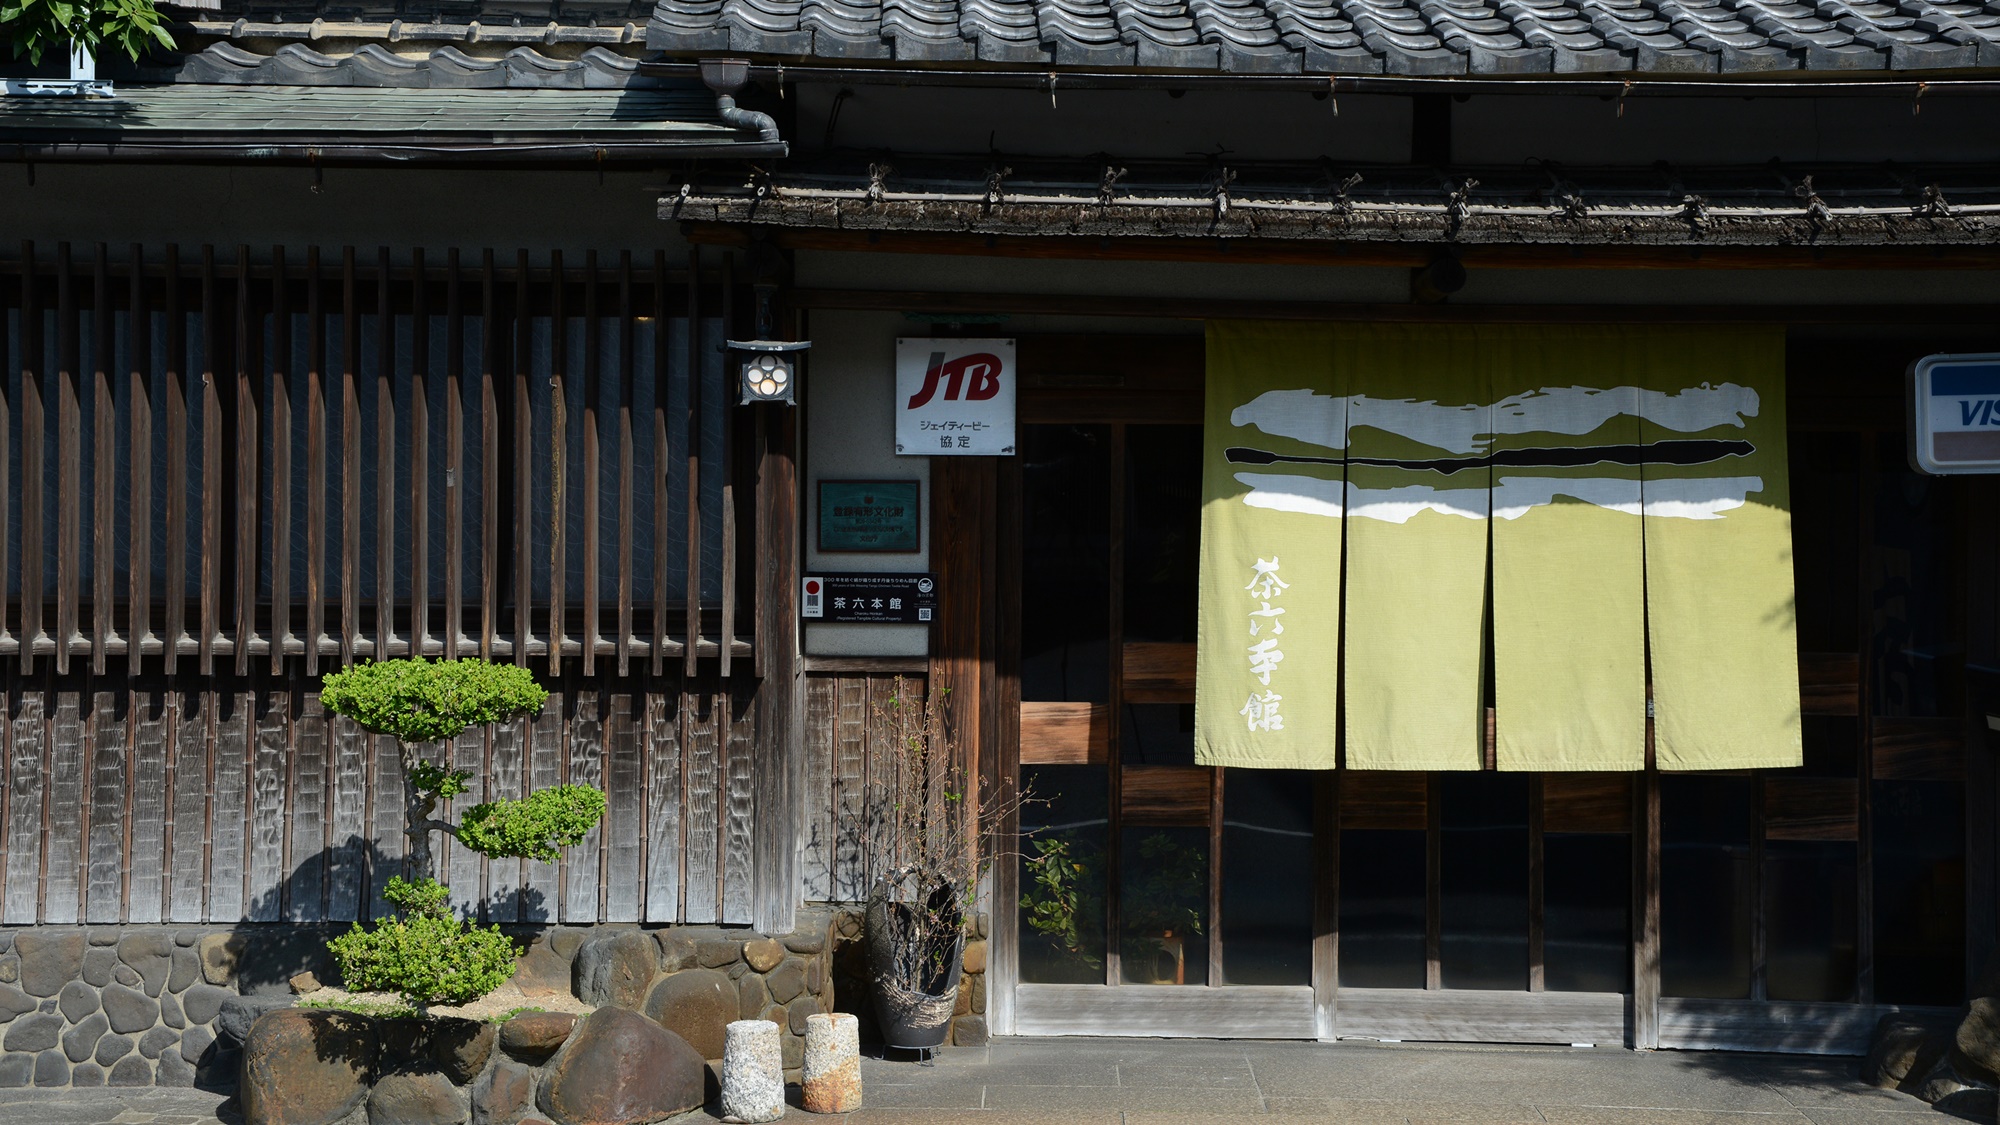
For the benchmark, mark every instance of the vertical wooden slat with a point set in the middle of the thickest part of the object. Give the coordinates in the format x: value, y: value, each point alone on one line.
x: 663, y: 800
x: 211, y: 466
x: 510, y: 747
x: 464, y: 868
x: 626, y: 463
x: 243, y: 459
x: 385, y: 459
x: 702, y: 738
x: 228, y: 815
x: 739, y: 812
x: 524, y: 458
x: 489, y: 461
x: 1326, y: 904
x: 62, y: 826
x: 880, y: 768
x: 1433, y: 882
x: 850, y: 779
x: 1759, y: 922
x: 625, y: 826
x: 139, y: 576
x: 69, y: 459
x: 148, y: 833
x: 273, y: 795
x: 725, y: 633
x: 350, y: 461
x: 315, y: 465
x: 104, y: 881
x: 388, y: 844
x: 1537, y: 975
x: 280, y: 411
x: 7, y: 639
x: 540, y: 897
x: 175, y: 383
x: 1646, y: 906
x: 593, y: 502
x: 662, y: 460
x: 346, y: 864
x: 33, y: 465
x: 694, y: 358
x: 822, y: 714
x: 585, y: 862
x: 420, y: 456
x: 1217, y: 931
x: 104, y: 453
x: 27, y: 794
x: 307, y: 864
x: 558, y: 460
x: 454, y: 459
x: 189, y: 832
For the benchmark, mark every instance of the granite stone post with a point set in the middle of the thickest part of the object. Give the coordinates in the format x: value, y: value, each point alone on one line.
x: 753, y: 1072
x: 831, y: 1082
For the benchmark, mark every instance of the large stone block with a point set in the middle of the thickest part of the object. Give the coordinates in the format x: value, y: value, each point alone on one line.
x: 80, y: 1042
x: 505, y: 1091
x: 306, y: 1067
x: 170, y: 1011
x: 111, y: 1048
x: 534, y: 1036
x: 131, y: 1071
x: 460, y: 1048
x: 98, y: 962
x: 173, y: 1070
x: 86, y: 1075
x: 220, y: 954
x: 76, y: 1001
x: 151, y: 955
x: 620, y: 1068
x: 195, y: 1044
x: 717, y: 952
x: 695, y: 1005
x: 129, y: 1009
x: 542, y: 972
x: 160, y: 1039
x: 51, y: 1069
x: 49, y: 961
x: 763, y: 954
x: 204, y: 1002
x: 233, y: 1021
x: 186, y: 970
x: 14, y: 1002
x: 1978, y: 1038
x: 677, y: 951
x: 617, y: 969
x: 1903, y: 1048
x: 16, y: 1071
x: 37, y: 1032
x: 415, y: 1099
x: 969, y: 1031
x: 788, y: 981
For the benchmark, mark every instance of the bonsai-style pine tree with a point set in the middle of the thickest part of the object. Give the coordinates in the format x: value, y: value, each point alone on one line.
x: 424, y: 953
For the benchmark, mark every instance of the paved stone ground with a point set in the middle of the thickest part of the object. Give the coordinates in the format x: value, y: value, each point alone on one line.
x: 1211, y: 1082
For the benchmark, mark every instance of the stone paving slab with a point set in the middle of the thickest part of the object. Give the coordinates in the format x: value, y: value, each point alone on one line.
x: 1216, y: 1082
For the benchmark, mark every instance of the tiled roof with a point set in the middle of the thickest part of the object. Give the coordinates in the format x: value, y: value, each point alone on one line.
x: 659, y: 119
x: 1410, y: 37
x: 438, y: 67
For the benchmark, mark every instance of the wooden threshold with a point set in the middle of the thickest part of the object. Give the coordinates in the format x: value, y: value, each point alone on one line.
x: 1166, y: 1011
x: 1463, y: 1015
x: 1791, y: 1027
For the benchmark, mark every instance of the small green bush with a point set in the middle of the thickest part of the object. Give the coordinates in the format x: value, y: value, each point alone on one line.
x: 415, y: 700
x: 534, y: 827
x: 424, y: 955
x: 32, y: 27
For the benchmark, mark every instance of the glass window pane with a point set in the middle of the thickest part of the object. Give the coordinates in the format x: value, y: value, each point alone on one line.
x: 1809, y: 930
x: 1267, y: 876
x: 1705, y: 885
x: 1065, y: 576
x: 1382, y: 911
x: 1917, y: 660
x: 1826, y: 486
x: 1064, y: 833
x: 1484, y: 880
x: 1919, y: 860
x: 1163, y: 905
x: 1162, y: 531
x: 1586, y: 912
x: 1157, y: 734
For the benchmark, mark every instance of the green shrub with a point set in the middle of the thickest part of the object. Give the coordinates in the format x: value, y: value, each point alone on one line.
x: 534, y: 827
x: 415, y: 700
x: 424, y: 954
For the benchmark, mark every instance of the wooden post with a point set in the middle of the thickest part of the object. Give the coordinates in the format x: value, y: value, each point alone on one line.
x: 779, y: 762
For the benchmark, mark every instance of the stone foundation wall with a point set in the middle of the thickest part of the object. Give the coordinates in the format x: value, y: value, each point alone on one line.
x: 171, y: 1006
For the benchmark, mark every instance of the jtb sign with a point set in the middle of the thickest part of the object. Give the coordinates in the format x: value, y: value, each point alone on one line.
x: 955, y: 397
x: 1955, y: 414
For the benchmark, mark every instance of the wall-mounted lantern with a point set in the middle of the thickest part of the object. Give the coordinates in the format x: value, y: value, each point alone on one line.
x: 771, y: 371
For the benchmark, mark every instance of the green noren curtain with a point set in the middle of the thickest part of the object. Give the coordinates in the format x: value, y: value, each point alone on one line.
x: 1383, y: 502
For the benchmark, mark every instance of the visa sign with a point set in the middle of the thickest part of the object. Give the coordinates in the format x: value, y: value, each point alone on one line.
x: 955, y: 398
x: 1955, y: 414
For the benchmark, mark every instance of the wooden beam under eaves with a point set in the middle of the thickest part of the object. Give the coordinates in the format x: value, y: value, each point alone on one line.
x: 1364, y: 253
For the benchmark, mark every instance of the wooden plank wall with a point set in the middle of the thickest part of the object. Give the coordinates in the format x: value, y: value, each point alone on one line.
x: 225, y: 799
x: 848, y: 778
